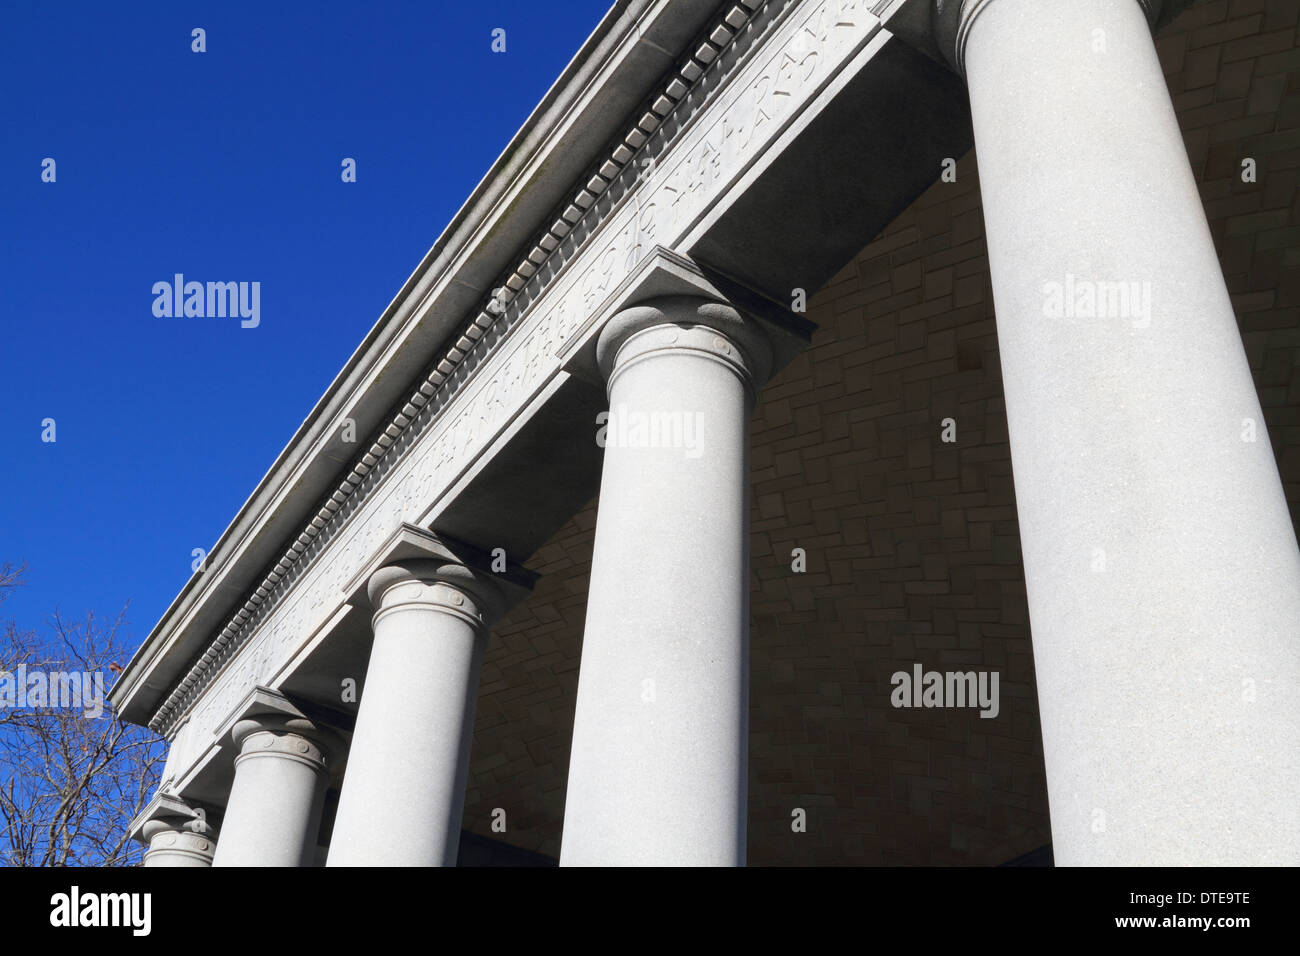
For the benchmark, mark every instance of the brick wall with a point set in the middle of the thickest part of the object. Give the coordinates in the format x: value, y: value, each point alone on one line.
x: 912, y: 543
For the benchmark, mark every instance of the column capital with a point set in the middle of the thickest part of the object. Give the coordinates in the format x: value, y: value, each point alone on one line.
x: 951, y: 21
x: 684, y: 325
x: 177, y: 832
x: 284, y: 737
x: 420, y: 567
x: 268, y: 724
x: 171, y: 811
x: 488, y: 583
x: 669, y: 288
x: 451, y: 588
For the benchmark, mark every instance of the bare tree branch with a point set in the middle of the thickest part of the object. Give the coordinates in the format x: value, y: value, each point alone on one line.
x: 69, y: 783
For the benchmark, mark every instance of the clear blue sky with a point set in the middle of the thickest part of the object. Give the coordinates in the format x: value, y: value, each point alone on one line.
x: 224, y: 166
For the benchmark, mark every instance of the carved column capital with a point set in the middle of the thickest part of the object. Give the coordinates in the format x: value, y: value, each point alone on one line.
x: 686, y: 326
x: 168, y: 845
x: 268, y: 724
x: 280, y: 736
x: 451, y: 588
x: 177, y: 833
x: 952, y: 20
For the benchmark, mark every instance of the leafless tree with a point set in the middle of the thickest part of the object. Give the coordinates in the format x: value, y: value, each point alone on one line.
x: 70, y: 780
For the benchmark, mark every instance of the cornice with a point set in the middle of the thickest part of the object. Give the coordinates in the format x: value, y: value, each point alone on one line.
x: 592, y: 200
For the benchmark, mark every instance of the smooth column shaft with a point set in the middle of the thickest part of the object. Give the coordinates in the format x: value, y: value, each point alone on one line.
x: 658, y: 768
x: 404, y: 792
x: 273, y: 815
x: 1162, y: 570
